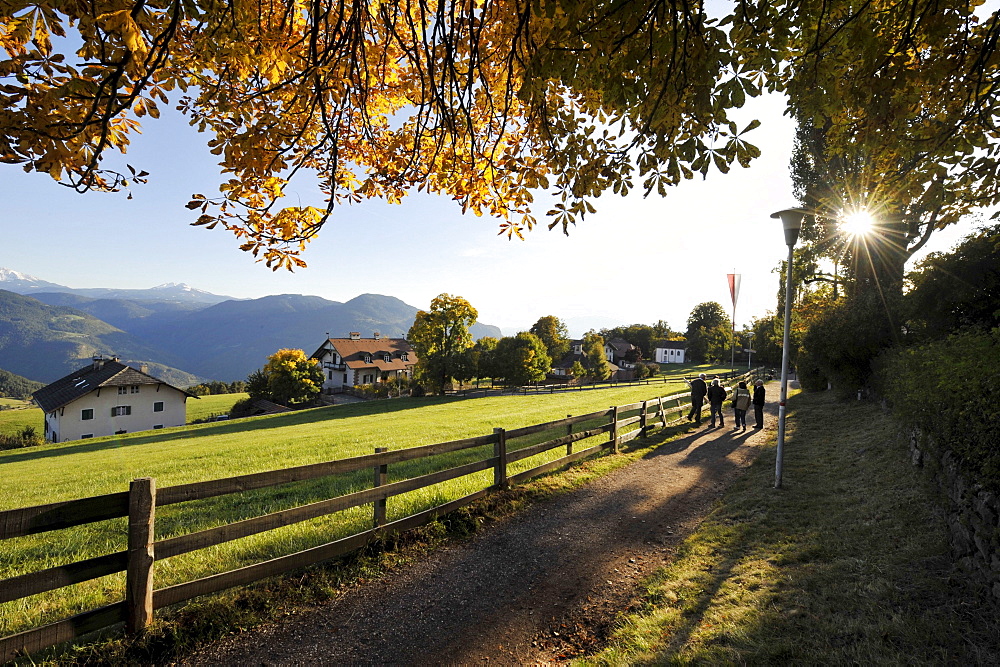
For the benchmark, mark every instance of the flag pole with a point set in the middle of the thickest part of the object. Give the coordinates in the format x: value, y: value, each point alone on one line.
x: 734, y: 291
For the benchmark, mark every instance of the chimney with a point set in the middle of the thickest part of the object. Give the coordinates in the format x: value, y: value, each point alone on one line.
x: 144, y: 369
x: 376, y: 335
x: 355, y: 335
x: 98, y: 362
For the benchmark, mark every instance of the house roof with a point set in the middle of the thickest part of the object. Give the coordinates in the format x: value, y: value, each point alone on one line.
x: 353, y: 352
x: 670, y: 345
x: 620, y: 344
x: 103, y: 373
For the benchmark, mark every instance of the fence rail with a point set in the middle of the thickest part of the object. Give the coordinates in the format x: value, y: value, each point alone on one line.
x: 139, y: 503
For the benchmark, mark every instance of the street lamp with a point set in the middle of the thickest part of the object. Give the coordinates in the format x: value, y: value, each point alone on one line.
x: 791, y: 222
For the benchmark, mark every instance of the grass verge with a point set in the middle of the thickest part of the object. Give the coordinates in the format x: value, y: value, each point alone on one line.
x: 848, y: 563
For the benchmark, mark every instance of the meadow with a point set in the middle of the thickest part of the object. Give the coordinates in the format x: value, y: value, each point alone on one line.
x: 222, y: 449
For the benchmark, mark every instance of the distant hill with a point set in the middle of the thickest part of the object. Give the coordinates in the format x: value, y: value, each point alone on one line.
x: 173, y: 327
x: 230, y: 340
x: 44, y: 342
x: 15, y: 386
x: 124, y: 314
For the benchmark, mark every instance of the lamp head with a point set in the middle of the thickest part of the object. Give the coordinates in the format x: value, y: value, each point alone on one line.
x: 791, y: 222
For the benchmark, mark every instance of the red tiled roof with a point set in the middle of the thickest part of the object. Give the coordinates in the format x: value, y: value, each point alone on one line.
x: 353, y: 351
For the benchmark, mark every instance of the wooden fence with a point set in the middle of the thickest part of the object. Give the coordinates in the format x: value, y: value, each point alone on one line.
x: 141, y: 500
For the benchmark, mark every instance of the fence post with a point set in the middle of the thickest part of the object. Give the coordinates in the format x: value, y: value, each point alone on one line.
x: 569, y: 431
x: 642, y: 420
x: 614, y: 428
x: 381, y: 476
x: 500, y: 453
x: 139, y: 573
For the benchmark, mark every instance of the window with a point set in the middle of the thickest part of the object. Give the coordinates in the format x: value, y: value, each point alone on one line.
x: 87, y: 414
x: 158, y: 406
x: 86, y: 435
x: 156, y: 426
x: 386, y: 357
x: 403, y: 356
x: 122, y: 390
x: 121, y: 410
x: 135, y: 389
x: 345, y: 378
x: 368, y: 358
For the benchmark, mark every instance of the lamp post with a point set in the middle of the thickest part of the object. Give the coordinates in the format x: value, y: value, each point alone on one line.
x: 791, y: 222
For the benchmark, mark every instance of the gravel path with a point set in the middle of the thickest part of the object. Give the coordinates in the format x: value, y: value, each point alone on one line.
x: 542, y: 586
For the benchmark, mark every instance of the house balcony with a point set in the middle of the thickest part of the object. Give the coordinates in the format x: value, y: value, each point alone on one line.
x: 334, y: 367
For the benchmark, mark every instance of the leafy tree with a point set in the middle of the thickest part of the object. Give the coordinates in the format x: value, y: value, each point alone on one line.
x: 844, y: 341
x: 257, y: 384
x: 709, y: 333
x: 522, y: 359
x: 577, y: 370
x: 292, y: 377
x: 554, y: 334
x: 488, y: 101
x: 481, y: 357
x: 440, y: 337
x: 958, y: 289
x: 595, y: 363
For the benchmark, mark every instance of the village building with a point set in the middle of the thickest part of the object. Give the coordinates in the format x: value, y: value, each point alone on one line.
x: 109, y: 398
x: 669, y: 351
x: 354, y: 361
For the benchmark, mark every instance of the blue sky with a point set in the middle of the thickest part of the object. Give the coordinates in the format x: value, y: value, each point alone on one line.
x: 636, y: 260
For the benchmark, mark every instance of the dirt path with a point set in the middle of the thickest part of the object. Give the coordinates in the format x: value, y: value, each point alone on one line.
x: 542, y: 586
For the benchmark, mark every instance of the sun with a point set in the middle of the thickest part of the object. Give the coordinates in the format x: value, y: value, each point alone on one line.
x: 857, y: 223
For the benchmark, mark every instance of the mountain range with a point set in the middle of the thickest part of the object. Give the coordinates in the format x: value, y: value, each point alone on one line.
x: 185, y: 335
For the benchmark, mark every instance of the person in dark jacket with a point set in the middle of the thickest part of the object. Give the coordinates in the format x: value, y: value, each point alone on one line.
x: 758, y: 404
x: 698, y: 391
x: 716, y: 397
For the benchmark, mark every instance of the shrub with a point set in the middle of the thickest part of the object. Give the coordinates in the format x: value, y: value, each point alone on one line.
x: 949, y: 390
x: 26, y: 437
x: 242, y: 408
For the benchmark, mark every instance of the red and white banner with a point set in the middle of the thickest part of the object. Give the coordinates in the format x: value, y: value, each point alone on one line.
x: 734, y: 286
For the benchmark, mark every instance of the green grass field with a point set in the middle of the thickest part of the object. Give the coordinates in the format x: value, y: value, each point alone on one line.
x: 210, y: 451
x: 217, y: 404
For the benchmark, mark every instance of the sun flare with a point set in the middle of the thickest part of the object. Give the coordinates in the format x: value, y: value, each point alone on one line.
x: 857, y: 223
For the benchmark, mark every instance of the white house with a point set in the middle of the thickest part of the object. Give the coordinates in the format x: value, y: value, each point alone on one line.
x: 349, y: 362
x: 670, y: 351
x: 109, y: 398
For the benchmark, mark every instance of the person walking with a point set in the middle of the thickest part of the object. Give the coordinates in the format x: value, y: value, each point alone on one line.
x: 758, y: 403
x: 741, y: 403
x: 698, y: 391
x: 716, y: 397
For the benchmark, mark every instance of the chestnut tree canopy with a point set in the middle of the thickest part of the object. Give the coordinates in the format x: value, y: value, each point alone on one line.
x: 491, y: 101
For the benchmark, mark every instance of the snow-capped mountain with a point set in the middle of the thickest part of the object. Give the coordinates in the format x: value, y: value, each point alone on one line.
x: 22, y: 283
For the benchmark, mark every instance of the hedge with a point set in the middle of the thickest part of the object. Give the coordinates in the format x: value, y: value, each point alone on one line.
x: 950, y: 389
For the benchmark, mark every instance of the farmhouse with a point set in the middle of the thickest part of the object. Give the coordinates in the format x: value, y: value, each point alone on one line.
x: 669, y: 351
x: 109, y: 398
x: 349, y: 362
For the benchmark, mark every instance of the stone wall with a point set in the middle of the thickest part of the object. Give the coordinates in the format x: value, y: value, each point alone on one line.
x: 973, y: 513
